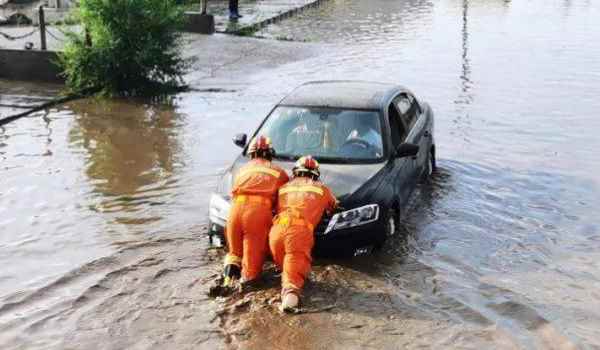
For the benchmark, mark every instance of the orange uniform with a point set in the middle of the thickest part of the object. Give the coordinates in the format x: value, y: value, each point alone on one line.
x: 300, y: 206
x: 254, y: 193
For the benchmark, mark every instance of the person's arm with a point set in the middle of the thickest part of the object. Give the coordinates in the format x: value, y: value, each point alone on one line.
x: 283, y: 178
x: 235, y: 185
x: 352, y: 135
x: 332, y: 202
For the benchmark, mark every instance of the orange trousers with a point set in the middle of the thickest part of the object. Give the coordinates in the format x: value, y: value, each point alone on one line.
x: 247, y: 237
x: 291, y: 247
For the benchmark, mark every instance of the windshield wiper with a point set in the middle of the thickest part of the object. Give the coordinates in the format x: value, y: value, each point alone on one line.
x: 344, y: 160
x: 284, y: 157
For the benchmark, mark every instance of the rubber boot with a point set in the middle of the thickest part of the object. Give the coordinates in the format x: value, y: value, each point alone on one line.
x: 289, y: 302
x: 251, y: 285
x: 231, y: 273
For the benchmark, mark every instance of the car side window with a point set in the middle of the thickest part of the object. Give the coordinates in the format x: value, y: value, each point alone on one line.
x: 408, y: 108
x: 396, y: 126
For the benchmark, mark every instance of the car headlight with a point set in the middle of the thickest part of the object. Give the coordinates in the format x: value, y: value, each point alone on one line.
x: 224, y: 186
x: 219, y: 209
x: 353, y: 217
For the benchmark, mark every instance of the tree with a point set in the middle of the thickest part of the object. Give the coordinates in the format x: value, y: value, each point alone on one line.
x: 127, y: 47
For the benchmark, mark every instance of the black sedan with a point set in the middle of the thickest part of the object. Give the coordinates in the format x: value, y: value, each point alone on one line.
x: 374, y: 142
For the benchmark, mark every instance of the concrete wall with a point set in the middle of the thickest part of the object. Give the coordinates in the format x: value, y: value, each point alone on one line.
x: 29, y: 65
x: 60, y: 3
x: 196, y: 22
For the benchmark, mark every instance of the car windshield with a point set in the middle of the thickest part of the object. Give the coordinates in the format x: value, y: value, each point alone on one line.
x: 329, y: 134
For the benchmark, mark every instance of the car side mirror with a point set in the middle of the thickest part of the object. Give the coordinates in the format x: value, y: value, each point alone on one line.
x: 240, y: 140
x: 407, y: 150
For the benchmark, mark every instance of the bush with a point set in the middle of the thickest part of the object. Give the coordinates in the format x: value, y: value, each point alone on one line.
x: 132, y: 47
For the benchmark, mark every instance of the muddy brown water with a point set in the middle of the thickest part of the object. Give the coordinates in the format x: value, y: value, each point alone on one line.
x: 103, y: 203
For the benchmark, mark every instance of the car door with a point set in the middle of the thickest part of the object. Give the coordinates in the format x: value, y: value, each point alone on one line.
x: 411, y: 117
x: 402, y: 167
x: 421, y: 129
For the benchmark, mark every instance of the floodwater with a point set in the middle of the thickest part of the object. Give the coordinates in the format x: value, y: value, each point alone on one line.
x: 103, y: 204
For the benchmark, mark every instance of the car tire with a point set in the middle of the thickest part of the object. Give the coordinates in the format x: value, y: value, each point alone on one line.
x: 391, y: 221
x: 430, y: 167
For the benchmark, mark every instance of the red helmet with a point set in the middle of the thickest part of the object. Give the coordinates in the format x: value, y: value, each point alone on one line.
x: 307, y: 165
x: 261, y: 146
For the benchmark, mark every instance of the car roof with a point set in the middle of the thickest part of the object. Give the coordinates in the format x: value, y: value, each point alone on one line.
x: 341, y: 94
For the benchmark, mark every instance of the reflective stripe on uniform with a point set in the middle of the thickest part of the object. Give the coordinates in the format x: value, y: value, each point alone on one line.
x: 288, y: 221
x: 251, y: 199
x: 290, y: 288
x: 259, y: 169
x: 314, y: 189
x: 231, y: 259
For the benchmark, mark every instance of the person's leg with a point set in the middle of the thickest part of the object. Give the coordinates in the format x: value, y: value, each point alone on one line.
x: 233, y: 9
x: 298, y: 257
x: 233, y: 234
x: 298, y: 245
x: 257, y: 223
x: 276, y: 246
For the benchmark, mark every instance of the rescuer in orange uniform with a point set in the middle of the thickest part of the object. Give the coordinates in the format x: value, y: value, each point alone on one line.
x: 254, y: 194
x: 300, y: 206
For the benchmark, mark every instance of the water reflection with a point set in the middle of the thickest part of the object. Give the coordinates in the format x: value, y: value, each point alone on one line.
x: 466, y: 64
x: 131, y: 153
x: 3, y: 139
x: 462, y: 121
x: 49, y: 130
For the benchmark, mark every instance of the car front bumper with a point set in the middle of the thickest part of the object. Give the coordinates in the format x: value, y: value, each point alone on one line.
x: 356, y: 238
x: 218, y: 212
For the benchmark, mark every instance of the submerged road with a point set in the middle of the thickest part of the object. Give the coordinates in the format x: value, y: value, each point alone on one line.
x: 103, y: 203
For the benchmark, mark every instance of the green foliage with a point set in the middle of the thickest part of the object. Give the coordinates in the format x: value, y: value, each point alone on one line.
x: 190, y: 5
x: 246, y: 31
x: 134, y: 48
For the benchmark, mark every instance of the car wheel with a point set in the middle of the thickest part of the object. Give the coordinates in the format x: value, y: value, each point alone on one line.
x: 390, y: 228
x: 391, y: 223
x: 432, y: 160
x: 429, y: 167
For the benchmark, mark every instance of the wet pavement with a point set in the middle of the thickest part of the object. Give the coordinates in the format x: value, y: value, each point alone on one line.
x: 253, y: 12
x: 103, y: 203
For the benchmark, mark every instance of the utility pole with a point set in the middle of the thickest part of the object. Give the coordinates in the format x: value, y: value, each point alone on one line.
x: 42, y: 28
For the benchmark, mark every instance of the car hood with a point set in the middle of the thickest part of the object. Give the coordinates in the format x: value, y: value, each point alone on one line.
x: 343, y: 179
